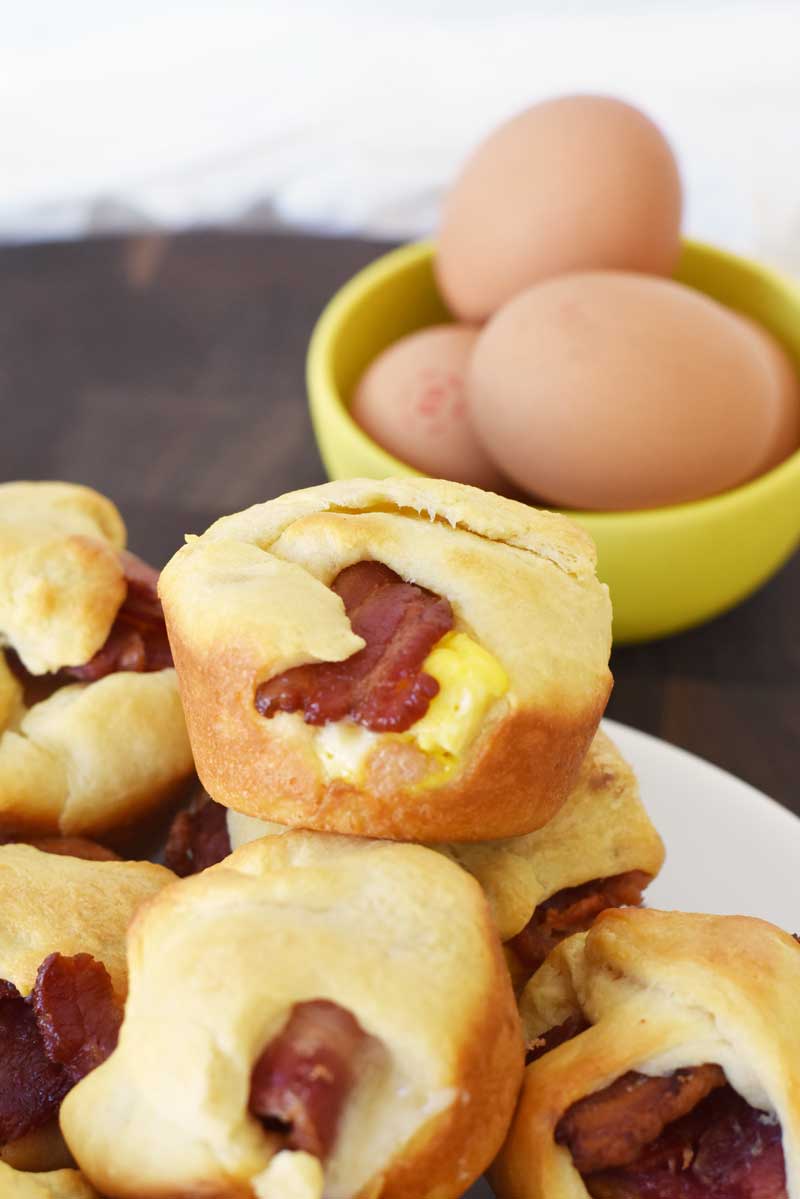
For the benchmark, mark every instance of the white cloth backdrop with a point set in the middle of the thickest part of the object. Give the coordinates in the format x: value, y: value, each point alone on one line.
x: 352, y: 116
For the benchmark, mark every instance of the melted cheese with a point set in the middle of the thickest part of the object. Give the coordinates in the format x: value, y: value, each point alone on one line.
x: 290, y: 1176
x: 470, y: 680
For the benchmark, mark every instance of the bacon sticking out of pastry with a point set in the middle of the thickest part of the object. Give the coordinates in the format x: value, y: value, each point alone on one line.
x: 138, y: 637
x: 554, y: 1037
x: 48, y: 1041
x: 77, y: 1012
x: 70, y: 847
x: 31, y: 1086
x: 198, y: 838
x: 301, y: 1081
x: 382, y: 687
x: 723, y: 1147
x: 573, y: 910
x: 611, y: 1127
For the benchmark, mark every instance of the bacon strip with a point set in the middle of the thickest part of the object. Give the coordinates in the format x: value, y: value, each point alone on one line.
x: 572, y: 1026
x: 31, y: 1085
x: 383, y: 686
x: 611, y: 1127
x: 138, y: 638
x: 574, y: 910
x: 723, y: 1147
x: 78, y: 1015
x: 66, y: 1027
x: 198, y: 838
x: 301, y: 1081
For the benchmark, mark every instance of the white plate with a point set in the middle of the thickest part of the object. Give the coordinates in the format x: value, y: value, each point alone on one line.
x: 730, y: 849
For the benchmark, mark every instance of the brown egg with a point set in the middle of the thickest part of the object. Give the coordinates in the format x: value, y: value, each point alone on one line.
x: 411, y: 401
x: 572, y: 184
x: 617, y: 391
x: 786, y: 439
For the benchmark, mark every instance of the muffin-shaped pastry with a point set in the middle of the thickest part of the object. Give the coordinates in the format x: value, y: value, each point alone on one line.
x: 92, y: 735
x: 58, y: 1184
x: 666, y: 1052
x: 334, y: 1017
x: 63, y: 981
x: 600, y: 850
x: 408, y: 658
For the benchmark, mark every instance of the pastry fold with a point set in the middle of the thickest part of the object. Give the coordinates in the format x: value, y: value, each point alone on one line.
x: 76, y: 757
x: 689, y: 1010
x: 522, y: 676
x: 65, y: 907
x: 601, y: 832
x: 394, y: 944
x: 57, y: 1184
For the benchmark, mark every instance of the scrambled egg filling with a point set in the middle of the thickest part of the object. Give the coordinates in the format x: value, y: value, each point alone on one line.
x: 470, y: 680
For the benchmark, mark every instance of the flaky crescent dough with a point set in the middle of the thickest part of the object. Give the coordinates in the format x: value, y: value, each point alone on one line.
x: 60, y: 1184
x: 61, y: 580
x: 92, y: 757
x: 661, y: 990
x: 55, y: 904
x: 602, y: 830
x: 396, y: 934
x: 251, y: 599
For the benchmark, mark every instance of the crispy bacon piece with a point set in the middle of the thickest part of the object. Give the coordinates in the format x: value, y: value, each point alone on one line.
x: 51, y: 1039
x: 198, y: 838
x: 70, y: 847
x: 723, y: 1147
x: 301, y: 1081
x: 383, y: 686
x: 611, y: 1127
x: 31, y: 1085
x: 573, y: 910
x: 572, y: 1026
x: 78, y: 1015
x: 138, y: 637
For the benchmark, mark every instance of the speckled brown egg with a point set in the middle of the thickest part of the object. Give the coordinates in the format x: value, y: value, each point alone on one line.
x: 411, y: 401
x: 575, y: 183
x: 619, y: 391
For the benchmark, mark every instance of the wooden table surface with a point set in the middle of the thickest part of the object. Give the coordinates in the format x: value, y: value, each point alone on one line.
x: 168, y: 373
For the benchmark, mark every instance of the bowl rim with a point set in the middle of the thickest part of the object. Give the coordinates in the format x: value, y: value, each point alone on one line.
x: 324, y: 395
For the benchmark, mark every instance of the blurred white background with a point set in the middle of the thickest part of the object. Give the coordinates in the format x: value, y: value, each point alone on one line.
x: 353, y: 116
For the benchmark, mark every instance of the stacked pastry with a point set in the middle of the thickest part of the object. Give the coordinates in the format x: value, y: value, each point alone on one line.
x: 419, y: 661
x: 392, y: 692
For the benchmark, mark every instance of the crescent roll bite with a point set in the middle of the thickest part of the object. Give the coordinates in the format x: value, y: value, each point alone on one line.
x: 63, y: 981
x: 333, y: 1017
x: 600, y: 850
x: 665, y: 1051
x: 92, y: 734
x: 405, y: 658
x: 58, y: 1184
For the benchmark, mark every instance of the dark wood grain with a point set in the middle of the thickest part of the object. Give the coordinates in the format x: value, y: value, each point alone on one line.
x: 169, y: 374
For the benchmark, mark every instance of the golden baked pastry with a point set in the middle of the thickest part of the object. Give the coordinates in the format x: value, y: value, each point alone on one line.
x: 483, y: 676
x: 92, y: 755
x: 669, y: 1059
x: 331, y: 1013
x: 600, y: 843
x: 60, y: 1184
x: 63, y: 980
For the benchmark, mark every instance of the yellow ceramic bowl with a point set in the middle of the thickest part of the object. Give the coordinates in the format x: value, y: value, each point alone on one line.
x: 667, y: 568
